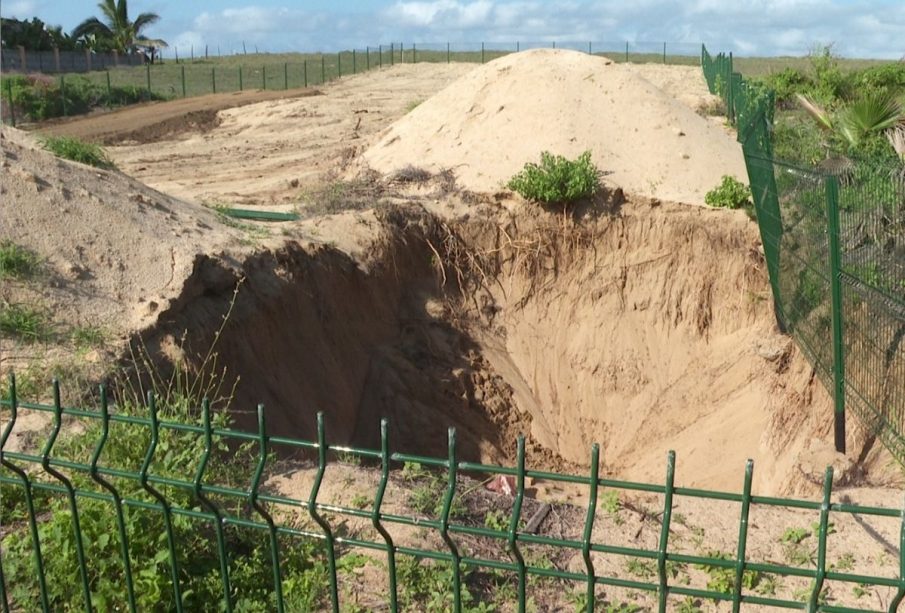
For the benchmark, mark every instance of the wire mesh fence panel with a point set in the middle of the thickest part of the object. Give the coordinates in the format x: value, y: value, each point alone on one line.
x: 834, y: 244
x: 155, y: 505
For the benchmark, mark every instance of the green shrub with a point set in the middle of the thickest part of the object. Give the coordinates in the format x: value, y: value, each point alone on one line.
x: 70, y: 148
x: 730, y: 194
x: 39, y: 97
x: 16, y: 262
x: 786, y: 84
x: 23, y: 322
x: 557, y: 180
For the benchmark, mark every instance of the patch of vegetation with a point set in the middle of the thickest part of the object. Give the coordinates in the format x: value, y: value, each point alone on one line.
x: 427, y: 586
x: 88, y: 337
x: 24, y: 322
x: 70, y: 148
x: 729, y: 194
x: 39, y: 97
x: 557, y: 180
x: 17, y: 262
x: 412, y: 105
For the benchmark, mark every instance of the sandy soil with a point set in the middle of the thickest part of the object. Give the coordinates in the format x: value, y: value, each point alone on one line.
x: 442, y: 305
x: 486, y: 126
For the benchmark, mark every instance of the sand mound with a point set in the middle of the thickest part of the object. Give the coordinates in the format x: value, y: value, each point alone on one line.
x: 114, y: 250
x: 489, y: 123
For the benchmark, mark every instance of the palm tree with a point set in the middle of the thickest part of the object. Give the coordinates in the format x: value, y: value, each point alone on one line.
x: 124, y: 35
x: 874, y: 114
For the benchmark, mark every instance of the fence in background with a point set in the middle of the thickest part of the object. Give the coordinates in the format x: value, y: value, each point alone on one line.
x: 102, y: 508
x: 834, y: 245
x: 217, y: 74
x: 55, y: 61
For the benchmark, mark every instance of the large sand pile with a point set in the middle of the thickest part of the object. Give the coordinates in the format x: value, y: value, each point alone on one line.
x: 489, y: 123
x: 114, y: 251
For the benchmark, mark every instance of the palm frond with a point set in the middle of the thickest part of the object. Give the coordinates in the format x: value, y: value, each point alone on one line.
x: 896, y: 137
x: 92, y: 25
x: 820, y: 115
x: 874, y: 113
x: 144, y: 20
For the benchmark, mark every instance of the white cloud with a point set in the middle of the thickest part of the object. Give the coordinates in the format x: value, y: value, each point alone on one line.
x: 21, y: 9
x: 757, y: 27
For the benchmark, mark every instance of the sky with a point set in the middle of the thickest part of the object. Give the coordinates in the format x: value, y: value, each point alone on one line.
x: 855, y: 28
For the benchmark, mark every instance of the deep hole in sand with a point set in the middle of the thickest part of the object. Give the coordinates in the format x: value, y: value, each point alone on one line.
x: 645, y: 330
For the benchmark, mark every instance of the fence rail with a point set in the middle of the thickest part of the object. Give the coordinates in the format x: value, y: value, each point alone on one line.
x: 111, y: 496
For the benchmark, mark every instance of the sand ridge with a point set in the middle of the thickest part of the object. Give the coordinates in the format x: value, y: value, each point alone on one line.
x: 493, y: 120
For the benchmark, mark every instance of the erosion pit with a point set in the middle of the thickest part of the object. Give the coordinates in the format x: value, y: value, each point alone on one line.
x: 645, y: 329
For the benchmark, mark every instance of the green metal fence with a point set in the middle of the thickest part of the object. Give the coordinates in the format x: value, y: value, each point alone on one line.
x: 835, y: 251
x: 83, y: 515
x: 209, y: 75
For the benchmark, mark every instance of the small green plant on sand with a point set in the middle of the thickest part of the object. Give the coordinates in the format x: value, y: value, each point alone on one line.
x: 76, y: 150
x: 23, y: 322
x: 16, y: 262
x: 729, y: 194
x: 557, y: 180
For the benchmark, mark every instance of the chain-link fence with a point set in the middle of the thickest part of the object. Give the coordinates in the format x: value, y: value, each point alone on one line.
x: 172, y: 507
x: 834, y: 242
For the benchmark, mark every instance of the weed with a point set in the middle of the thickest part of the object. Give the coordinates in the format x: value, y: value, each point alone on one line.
x: 729, y: 194
x: 767, y: 585
x: 643, y: 569
x: 24, y: 322
x: 722, y: 578
x: 70, y: 148
x: 17, y: 262
x: 496, y: 520
x: 412, y: 105
x: 846, y: 562
x: 556, y: 180
x: 794, y: 535
x: 87, y: 337
x: 861, y: 590
x: 690, y: 605
x: 360, y: 501
x: 804, y: 594
x: 347, y: 457
x: 799, y: 555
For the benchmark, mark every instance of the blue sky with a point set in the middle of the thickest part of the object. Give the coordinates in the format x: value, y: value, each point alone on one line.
x: 856, y: 28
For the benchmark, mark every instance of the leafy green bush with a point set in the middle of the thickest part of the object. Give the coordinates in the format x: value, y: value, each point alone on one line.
x: 70, y: 148
x: 557, y: 180
x: 730, y: 194
x: 786, y: 84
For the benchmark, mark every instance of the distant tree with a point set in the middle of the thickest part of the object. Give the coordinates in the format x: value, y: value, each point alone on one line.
x: 34, y: 35
x: 119, y: 32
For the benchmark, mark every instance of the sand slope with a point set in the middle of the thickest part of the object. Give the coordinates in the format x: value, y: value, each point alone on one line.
x: 489, y: 123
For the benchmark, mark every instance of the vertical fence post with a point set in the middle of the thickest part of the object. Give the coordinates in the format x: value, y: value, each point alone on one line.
x: 380, y: 56
x: 589, y: 48
x: 664, y: 53
x: 900, y: 595
x: 354, y: 67
x: 285, y: 75
x: 554, y: 44
x: 392, y: 53
x: 832, y: 208
x: 183, y: 79
x: 264, y: 77
x: 9, y: 97
x: 512, y: 540
x: 305, y: 72
x: 339, y: 65
x: 241, y: 85
x: 176, y: 50
x: 447, y: 53
x: 626, y: 51
x: 367, y: 57
x: 589, y: 526
x: 110, y: 88
x: 330, y: 540
x: 323, y: 69
x: 375, y: 513
x: 741, y: 552
x: 518, y: 46
x: 214, y: 80
x: 663, y: 546
x: 822, y: 533
x: 482, y: 53
x: 414, y: 54
x: 444, y: 521
x: 148, y: 74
